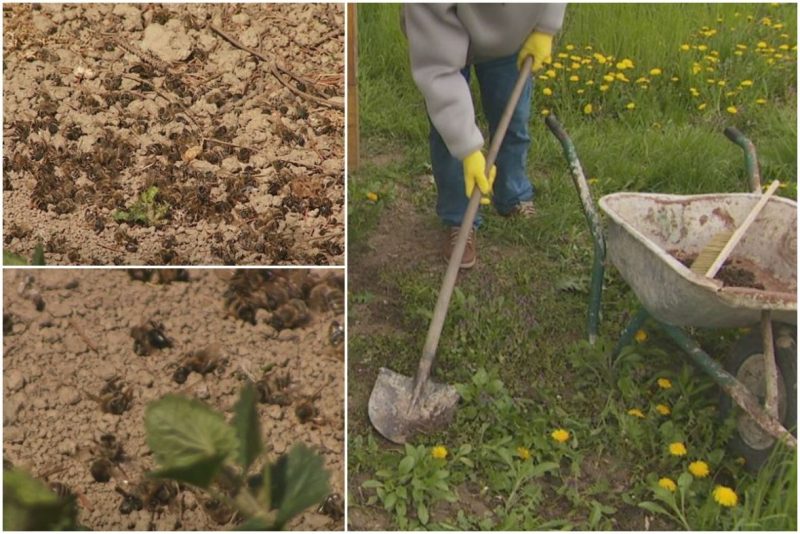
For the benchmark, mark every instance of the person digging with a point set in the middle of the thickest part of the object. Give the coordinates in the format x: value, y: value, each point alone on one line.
x: 446, y: 42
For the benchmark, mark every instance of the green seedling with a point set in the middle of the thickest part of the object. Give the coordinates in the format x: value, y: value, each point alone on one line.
x: 193, y: 444
x: 28, y: 504
x: 10, y: 258
x: 147, y: 210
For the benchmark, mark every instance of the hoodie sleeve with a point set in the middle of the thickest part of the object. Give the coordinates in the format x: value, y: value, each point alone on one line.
x: 551, y: 19
x: 438, y: 46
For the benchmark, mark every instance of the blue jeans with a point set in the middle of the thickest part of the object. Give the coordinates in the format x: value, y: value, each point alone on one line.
x: 496, y: 79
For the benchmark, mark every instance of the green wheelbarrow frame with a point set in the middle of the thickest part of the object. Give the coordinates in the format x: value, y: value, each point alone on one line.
x: 766, y: 417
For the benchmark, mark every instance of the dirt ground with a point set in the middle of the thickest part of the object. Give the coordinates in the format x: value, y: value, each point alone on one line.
x: 55, y: 359
x: 234, y: 112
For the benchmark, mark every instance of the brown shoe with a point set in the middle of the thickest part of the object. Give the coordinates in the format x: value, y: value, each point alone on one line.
x: 524, y: 210
x: 470, y: 256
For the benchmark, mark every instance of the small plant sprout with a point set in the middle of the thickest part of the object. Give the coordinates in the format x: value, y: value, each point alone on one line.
x: 192, y: 444
x: 146, y: 210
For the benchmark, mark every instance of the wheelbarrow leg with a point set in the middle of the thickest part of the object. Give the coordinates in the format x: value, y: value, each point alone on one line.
x: 770, y: 366
x: 635, y: 324
x: 740, y: 394
x: 592, y: 218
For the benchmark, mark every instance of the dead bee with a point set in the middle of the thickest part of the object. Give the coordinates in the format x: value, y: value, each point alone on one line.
x: 166, y: 276
x: 149, y: 336
x: 272, y: 389
x: 218, y: 511
x: 105, y: 456
x: 149, y: 494
x: 113, y: 398
x: 240, y: 306
x: 324, y: 297
x: 201, y: 361
x: 335, y: 334
x: 290, y: 315
x: 332, y: 506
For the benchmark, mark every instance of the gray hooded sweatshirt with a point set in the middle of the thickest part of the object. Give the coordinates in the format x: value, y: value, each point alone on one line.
x: 444, y: 38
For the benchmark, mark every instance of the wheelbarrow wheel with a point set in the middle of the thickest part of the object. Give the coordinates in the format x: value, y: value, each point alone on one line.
x: 745, y: 362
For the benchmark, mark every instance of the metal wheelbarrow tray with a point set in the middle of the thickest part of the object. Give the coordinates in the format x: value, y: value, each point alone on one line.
x: 646, y: 233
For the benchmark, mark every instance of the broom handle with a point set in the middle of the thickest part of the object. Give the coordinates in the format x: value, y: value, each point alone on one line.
x: 737, y: 235
x: 440, y: 311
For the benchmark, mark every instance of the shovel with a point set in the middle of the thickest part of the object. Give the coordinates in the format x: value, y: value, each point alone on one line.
x: 400, y: 406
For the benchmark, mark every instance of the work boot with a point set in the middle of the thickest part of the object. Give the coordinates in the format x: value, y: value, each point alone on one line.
x: 470, y: 256
x: 524, y: 210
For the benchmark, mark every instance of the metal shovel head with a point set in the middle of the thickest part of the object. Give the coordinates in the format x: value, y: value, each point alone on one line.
x: 393, y: 416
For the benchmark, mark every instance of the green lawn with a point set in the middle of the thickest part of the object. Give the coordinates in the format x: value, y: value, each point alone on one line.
x: 514, y: 337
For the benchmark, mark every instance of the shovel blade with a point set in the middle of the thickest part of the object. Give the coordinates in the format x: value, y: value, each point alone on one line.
x: 392, y: 415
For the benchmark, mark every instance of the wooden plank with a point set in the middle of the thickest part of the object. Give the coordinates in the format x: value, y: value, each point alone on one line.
x: 353, y: 132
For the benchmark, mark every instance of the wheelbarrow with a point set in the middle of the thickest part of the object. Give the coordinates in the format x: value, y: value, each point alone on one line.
x: 649, y: 237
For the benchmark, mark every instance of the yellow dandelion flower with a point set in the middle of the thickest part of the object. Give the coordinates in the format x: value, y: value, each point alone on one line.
x: 699, y: 469
x: 696, y: 68
x: 621, y: 77
x: 563, y: 55
x: 740, y: 460
x: 741, y: 46
x: 603, y: 88
x: 523, y: 453
x: 592, y: 181
x: 725, y: 496
x: 702, y: 48
x: 667, y: 484
x: 702, y: 106
x: 570, y: 47
x: 778, y: 26
x: 580, y: 91
x: 730, y: 94
x: 664, y: 383
x: 560, y: 435
x: 600, y: 58
x: 608, y: 78
x: 587, y: 109
x: 738, y: 53
x: 677, y: 449
x: 636, y: 412
x: 732, y: 110
x: 625, y: 64
x: 543, y: 77
x: 589, y: 82
x: 372, y: 197
x: 558, y: 65
x: 640, y: 336
x: 642, y: 80
x: 550, y: 73
x: 575, y: 58
x: 674, y: 79
x: 685, y: 47
x: 575, y: 65
x: 722, y: 83
x: 574, y: 78
x: 783, y: 47
x: 761, y: 45
x: 630, y: 105
x: 655, y: 72
x: 663, y: 409
x: 547, y: 91
x: 761, y: 101
x: 545, y: 112
x: 694, y: 91
x: 439, y: 452
x: 746, y: 83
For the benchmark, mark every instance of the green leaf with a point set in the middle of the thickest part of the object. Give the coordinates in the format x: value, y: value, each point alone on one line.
x: 189, y: 440
x: 30, y: 505
x: 38, y: 255
x: 372, y: 484
x: 406, y: 465
x: 390, y: 501
x: 422, y: 513
x: 543, y: 468
x: 298, y: 481
x: 248, y: 429
x: 9, y: 258
x: 653, y: 507
x: 685, y: 480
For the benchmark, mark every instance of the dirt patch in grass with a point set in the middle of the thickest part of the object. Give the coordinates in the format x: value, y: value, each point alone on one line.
x: 68, y: 332
x: 105, y: 102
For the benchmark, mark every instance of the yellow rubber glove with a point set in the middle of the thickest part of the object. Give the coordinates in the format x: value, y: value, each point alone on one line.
x: 540, y: 46
x: 475, y: 174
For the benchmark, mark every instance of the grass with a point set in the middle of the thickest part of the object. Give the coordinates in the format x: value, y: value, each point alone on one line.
x: 513, y: 340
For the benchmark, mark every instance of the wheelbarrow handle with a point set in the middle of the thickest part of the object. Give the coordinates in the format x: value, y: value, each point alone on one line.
x: 750, y: 158
x: 446, y: 292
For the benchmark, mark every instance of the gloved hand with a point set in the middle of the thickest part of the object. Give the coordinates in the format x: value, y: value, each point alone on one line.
x: 540, y: 46
x: 475, y: 174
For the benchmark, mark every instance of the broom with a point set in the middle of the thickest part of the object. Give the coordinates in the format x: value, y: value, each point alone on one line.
x: 710, y: 259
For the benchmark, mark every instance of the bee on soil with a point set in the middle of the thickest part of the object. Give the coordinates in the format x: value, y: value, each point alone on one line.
x: 332, y: 506
x: 218, y: 511
x: 105, y: 456
x: 201, y: 361
x: 149, y: 336
x: 335, y: 334
x: 324, y: 297
x: 114, y: 398
x: 274, y: 389
x: 290, y: 315
x: 151, y: 495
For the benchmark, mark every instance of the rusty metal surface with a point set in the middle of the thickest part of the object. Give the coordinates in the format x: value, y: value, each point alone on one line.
x: 644, y: 227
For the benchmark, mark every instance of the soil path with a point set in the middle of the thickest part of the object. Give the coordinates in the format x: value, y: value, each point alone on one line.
x: 104, y: 101
x: 81, y: 338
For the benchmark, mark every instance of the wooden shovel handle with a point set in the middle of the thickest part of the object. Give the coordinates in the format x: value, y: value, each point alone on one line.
x: 739, y: 233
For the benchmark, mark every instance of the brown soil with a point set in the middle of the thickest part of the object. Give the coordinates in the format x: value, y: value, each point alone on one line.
x: 103, y: 101
x: 737, y: 272
x: 54, y: 358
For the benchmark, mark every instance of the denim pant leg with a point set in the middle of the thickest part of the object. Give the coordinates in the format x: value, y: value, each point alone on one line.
x: 451, y: 198
x: 496, y: 79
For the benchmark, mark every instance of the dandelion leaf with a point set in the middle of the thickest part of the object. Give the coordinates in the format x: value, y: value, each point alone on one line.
x: 298, y: 481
